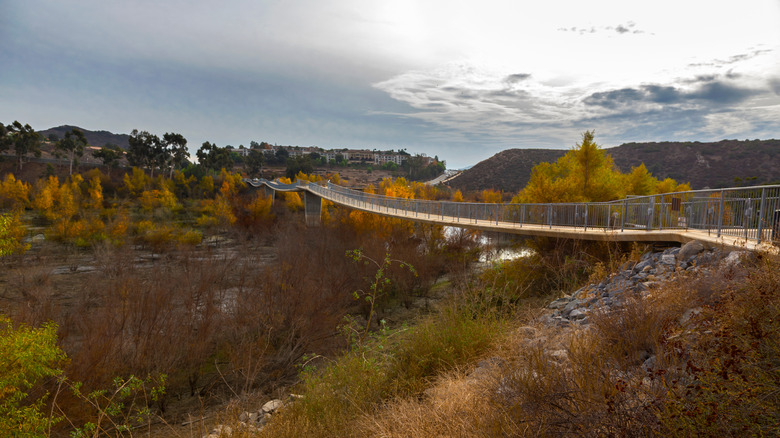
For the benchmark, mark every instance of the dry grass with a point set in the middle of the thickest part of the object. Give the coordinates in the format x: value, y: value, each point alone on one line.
x: 714, y: 371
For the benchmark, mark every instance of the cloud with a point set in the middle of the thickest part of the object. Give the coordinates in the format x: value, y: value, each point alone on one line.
x: 709, y: 91
x: 628, y: 28
x: 734, y: 59
x: 467, y: 103
x: 517, y: 77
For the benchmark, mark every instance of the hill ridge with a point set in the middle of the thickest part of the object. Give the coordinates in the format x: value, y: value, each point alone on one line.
x: 725, y: 163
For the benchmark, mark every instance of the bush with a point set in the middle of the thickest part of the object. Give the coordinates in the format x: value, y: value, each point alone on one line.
x: 27, y: 355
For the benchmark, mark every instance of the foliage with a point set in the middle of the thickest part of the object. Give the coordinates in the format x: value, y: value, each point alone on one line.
x: 118, y: 410
x: 587, y: 174
x: 72, y: 145
x: 109, y: 155
x: 12, y: 232
x: 14, y: 194
x: 24, y: 141
x: 27, y: 355
x: 213, y: 157
x: 379, y: 285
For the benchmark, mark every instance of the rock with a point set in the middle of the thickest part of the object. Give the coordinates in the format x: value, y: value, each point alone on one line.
x: 668, y: 259
x: 689, y: 250
x: 688, y: 314
x: 578, y: 314
x: 527, y: 331
x: 558, y: 304
x: 671, y: 251
x: 272, y: 406
x: 643, y: 264
x: 573, y: 304
x: 734, y: 259
x: 650, y: 363
x: 559, y: 355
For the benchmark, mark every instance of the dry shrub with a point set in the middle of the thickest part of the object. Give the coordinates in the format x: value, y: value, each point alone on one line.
x: 453, y: 407
x: 728, y: 384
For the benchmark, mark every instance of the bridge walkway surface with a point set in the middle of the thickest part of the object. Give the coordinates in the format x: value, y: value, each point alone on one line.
x: 746, y: 218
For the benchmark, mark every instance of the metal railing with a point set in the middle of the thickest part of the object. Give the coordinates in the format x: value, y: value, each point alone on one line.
x: 752, y: 213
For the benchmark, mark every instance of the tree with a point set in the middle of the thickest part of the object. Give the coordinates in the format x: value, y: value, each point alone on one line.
x: 110, y: 155
x: 254, y: 161
x: 143, y: 149
x: 590, y: 159
x: 73, y: 145
x: 176, y: 155
x: 587, y: 174
x: 5, y: 140
x: 24, y: 140
x: 298, y: 164
x: 281, y: 155
x: 213, y: 157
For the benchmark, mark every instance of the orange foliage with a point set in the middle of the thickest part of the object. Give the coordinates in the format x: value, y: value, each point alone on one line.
x: 292, y: 199
x: 14, y: 194
x: 491, y: 196
x: 457, y: 196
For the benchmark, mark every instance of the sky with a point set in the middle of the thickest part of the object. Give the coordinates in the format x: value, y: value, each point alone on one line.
x: 461, y: 80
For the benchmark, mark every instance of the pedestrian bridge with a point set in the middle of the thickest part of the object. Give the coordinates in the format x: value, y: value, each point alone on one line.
x: 735, y: 217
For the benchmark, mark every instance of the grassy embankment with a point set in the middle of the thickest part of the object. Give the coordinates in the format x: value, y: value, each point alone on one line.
x: 715, y: 373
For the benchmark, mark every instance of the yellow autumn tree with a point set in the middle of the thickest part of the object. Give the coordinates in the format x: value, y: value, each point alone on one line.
x: 136, y: 182
x: 12, y: 232
x: 292, y: 199
x: 14, y: 194
x: 491, y: 196
x: 587, y: 174
x: 457, y: 196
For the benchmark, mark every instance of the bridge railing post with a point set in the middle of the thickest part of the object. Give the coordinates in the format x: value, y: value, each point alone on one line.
x: 585, y: 218
x: 650, y: 213
x: 720, y: 213
x: 761, y: 209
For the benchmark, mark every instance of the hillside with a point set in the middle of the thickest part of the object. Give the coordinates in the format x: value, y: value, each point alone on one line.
x: 94, y: 138
x: 725, y: 163
x: 508, y: 170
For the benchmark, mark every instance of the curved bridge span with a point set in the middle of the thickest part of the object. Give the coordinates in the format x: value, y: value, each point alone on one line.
x: 735, y: 217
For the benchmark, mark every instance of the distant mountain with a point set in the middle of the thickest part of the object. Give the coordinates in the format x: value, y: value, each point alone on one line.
x: 94, y: 138
x: 726, y: 163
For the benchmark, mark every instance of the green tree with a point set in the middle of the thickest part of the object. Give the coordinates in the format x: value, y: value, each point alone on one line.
x: 298, y: 164
x: 110, y: 155
x: 24, y: 140
x: 72, y: 145
x: 175, y: 154
x: 214, y: 158
x: 5, y: 140
x: 143, y: 149
x: 27, y: 355
x: 254, y: 161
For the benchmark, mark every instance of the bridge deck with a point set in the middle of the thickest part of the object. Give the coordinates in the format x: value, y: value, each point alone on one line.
x: 422, y: 211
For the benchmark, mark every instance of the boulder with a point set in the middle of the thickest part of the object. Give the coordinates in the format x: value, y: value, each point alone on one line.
x: 272, y: 406
x: 689, y: 250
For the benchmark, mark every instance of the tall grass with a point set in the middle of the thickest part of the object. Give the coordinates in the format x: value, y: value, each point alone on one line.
x: 696, y: 357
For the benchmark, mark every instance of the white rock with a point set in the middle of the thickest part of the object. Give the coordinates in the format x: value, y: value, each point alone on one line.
x: 272, y: 405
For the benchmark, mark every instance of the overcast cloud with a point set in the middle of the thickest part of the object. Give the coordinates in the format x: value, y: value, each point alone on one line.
x: 458, y: 79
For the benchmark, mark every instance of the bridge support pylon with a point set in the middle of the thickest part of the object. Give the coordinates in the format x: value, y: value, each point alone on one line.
x: 267, y: 191
x: 312, y: 206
